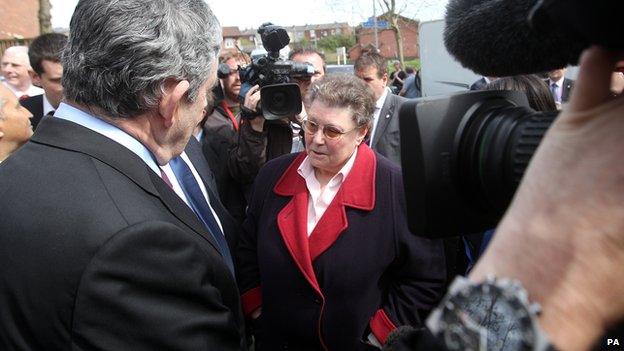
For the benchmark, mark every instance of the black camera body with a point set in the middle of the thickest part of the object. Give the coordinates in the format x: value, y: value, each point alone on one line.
x: 464, y: 155
x: 278, y: 95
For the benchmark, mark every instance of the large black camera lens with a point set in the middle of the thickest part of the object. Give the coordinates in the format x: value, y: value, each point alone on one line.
x: 463, y: 157
x: 280, y: 100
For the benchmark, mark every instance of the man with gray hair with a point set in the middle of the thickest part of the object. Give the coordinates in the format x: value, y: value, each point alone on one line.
x: 16, y: 72
x: 126, y: 250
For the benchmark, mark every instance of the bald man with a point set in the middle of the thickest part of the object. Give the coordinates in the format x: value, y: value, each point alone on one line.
x: 15, y: 67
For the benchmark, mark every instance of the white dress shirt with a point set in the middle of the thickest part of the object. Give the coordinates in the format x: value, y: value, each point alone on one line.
x: 47, y: 106
x: 31, y: 91
x: 319, y: 199
x: 378, y: 106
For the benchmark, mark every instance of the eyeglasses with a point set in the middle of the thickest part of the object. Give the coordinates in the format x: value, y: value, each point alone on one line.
x: 330, y: 132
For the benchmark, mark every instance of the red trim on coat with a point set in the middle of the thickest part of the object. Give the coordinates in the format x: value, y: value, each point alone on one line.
x: 251, y: 300
x: 357, y: 191
x: 381, y: 326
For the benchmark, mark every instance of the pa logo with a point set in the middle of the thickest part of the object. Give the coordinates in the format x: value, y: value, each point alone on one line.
x: 613, y: 342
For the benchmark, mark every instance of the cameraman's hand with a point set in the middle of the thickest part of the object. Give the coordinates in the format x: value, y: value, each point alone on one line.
x: 252, y: 98
x: 563, y: 235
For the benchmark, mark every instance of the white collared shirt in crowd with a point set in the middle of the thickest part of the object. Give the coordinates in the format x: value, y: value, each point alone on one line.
x: 319, y: 199
x: 47, y: 106
x: 31, y: 91
x: 378, y: 106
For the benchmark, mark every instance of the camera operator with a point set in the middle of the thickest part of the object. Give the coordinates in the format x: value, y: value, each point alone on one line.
x: 225, y: 118
x: 261, y: 140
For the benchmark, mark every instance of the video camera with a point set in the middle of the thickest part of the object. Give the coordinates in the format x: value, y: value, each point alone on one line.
x: 464, y: 155
x: 279, y: 97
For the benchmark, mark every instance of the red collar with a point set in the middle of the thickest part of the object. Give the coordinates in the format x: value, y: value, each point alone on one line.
x: 357, y: 191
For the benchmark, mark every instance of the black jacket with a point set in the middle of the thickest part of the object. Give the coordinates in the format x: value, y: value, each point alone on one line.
x: 112, y: 260
x: 34, y: 104
x: 254, y: 149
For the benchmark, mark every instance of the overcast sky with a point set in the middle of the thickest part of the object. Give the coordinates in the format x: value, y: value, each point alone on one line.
x: 252, y: 13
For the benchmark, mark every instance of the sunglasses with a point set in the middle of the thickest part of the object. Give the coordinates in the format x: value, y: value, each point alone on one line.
x: 330, y: 132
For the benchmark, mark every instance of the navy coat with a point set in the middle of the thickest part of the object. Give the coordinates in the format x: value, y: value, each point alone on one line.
x: 361, y: 270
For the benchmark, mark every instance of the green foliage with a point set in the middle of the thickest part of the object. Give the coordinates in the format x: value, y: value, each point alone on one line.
x: 332, y: 42
x: 414, y: 63
x: 304, y: 43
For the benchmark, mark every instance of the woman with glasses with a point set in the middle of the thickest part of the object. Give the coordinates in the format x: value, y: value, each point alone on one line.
x: 327, y: 261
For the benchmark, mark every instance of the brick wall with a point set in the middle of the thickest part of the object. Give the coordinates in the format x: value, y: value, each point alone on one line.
x: 387, y: 43
x: 19, y: 17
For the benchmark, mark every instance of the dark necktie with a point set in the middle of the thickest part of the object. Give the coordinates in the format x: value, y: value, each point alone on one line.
x: 50, y: 114
x: 200, y: 206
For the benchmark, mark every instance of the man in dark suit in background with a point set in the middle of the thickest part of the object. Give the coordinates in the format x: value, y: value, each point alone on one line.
x: 127, y: 251
x: 559, y: 85
x: 384, y: 136
x: 44, y: 54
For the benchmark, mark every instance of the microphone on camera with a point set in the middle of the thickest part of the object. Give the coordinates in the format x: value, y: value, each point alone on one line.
x: 496, y: 37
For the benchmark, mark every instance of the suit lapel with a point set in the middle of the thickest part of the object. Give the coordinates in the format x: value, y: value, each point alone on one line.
x: 384, y: 118
x: 179, y: 209
x: 292, y: 220
x: 194, y: 152
x: 55, y: 132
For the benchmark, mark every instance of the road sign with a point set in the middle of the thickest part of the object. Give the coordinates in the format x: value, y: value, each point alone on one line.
x: 381, y: 24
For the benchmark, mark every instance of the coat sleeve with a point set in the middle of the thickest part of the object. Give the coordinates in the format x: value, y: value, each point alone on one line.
x: 154, y: 287
x: 247, y: 254
x: 417, y: 275
x: 248, y: 154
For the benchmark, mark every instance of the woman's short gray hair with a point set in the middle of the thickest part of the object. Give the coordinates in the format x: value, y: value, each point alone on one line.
x: 345, y: 90
x: 121, y: 53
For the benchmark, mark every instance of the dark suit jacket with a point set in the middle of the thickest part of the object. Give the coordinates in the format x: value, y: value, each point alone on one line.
x: 34, y: 104
x: 568, y: 85
x: 231, y: 225
x: 386, y: 140
x: 113, y: 260
x: 361, y: 267
x: 216, y: 150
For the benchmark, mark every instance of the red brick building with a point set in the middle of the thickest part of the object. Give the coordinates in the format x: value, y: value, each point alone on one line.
x: 387, y: 42
x: 19, y: 22
x: 18, y: 19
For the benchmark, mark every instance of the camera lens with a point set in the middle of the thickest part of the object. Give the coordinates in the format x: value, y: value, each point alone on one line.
x: 495, y: 148
x: 463, y: 157
x: 280, y: 100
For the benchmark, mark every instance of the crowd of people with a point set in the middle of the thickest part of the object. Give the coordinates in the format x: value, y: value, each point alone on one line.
x: 155, y: 207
